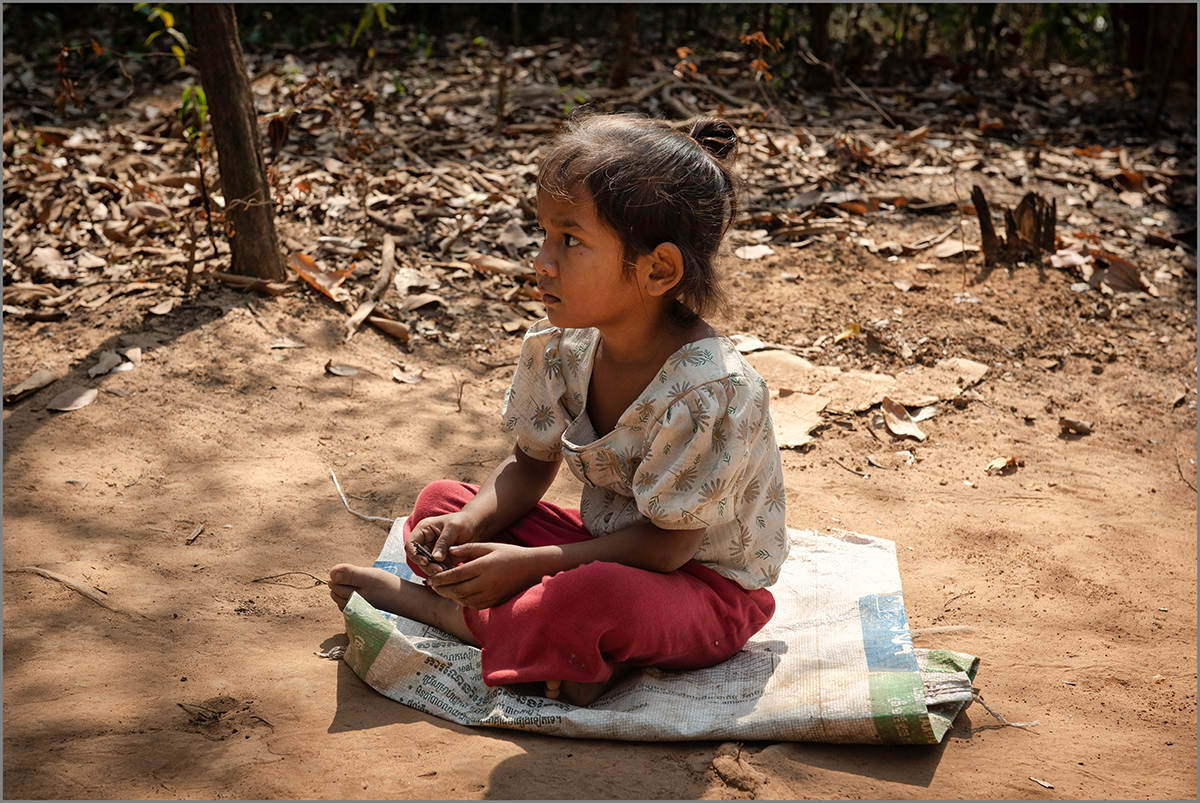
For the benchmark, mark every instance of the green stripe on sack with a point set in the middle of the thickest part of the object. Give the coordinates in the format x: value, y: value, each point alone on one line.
x: 368, y: 631
x: 898, y: 708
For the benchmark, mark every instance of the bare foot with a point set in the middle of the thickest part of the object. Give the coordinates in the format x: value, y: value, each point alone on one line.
x: 583, y: 694
x: 388, y: 592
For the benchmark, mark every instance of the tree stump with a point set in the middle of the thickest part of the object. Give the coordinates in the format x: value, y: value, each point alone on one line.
x: 1029, y: 228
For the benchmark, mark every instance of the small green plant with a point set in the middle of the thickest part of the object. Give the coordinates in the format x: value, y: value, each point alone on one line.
x: 192, y: 116
x: 572, y: 97
x: 168, y: 21
x: 372, y: 12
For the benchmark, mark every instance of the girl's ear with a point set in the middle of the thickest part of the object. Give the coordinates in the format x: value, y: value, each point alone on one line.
x: 665, y: 269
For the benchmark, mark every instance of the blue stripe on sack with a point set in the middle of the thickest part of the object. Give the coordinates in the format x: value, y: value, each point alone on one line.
x: 400, y: 569
x: 886, y: 638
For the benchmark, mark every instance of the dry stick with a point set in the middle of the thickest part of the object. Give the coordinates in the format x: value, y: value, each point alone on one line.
x: 87, y: 591
x: 347, y: 503
x: 320, y: 582
x: 1004, y: 722
x: 191, y: 265
x: 502, y: 97
x: 956, y: 596
x: 852, y: 471
x: 1179, y: 466
x: 195, y: 533
x: 381, y: 284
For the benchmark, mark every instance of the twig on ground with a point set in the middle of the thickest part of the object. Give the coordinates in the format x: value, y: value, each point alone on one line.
x: 95, y: 595
x: 1004, y: 723
x: 1179, y: 466
x: 320, y: 582
x: 852, y: 471
x: 347, y: 503
x: 956, y: 596
x: 386, y: 267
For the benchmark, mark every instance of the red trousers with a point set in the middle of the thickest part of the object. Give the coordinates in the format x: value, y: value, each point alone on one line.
x: 576, y: 624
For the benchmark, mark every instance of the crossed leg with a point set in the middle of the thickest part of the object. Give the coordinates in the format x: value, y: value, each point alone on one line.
x: 388, y: 592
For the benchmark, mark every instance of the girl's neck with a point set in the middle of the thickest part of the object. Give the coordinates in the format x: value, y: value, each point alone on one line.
x: 650, y: 344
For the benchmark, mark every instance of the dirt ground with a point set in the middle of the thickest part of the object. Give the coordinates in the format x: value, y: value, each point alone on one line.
x: 1076, y: 572
x: 181, y: 496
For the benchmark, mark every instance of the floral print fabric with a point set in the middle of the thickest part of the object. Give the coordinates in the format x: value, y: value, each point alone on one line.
x: 696, y: 449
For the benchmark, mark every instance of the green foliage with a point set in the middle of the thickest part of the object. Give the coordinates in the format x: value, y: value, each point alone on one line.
x: 168, y: 20
x: 192, y: 115
x: 572, y: 97
x: 372, y: 12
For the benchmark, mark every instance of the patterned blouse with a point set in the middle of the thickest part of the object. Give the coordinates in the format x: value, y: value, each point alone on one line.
x: 696, y: 449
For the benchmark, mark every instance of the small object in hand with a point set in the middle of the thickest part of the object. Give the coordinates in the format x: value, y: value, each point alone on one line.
x: 424, y: 552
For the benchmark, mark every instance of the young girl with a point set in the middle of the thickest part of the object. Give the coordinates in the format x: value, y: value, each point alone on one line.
x: 681, y: 524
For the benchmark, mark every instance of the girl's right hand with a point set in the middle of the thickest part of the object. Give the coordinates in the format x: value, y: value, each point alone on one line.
x: 438, y: 534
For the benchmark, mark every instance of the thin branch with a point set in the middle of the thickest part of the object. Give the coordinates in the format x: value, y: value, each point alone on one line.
x: 347, y: 503
x: 1179, y: 466
x: 320, y: 582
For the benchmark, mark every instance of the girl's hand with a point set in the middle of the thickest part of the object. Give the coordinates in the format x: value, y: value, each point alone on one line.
x: 437, y: 534
x: 487, y: 574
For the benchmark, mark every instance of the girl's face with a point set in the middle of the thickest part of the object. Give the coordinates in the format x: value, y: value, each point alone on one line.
x: 580, y: 269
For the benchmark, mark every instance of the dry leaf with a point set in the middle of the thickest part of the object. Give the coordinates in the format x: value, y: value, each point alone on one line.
x: 147, y: 210
x: 73, y: 399
x: 409, y: 378
x: 495, y: 264
x: 108, y: 361
x: 899, y: 421
x: 747, y: 343
x: 754, y: 251
x: 413, y: 302
x: 163, y: 307
x: 396, y: 329
x: 327, y: 282
x: 340, y: 370
x: 514, y: 235
x: 39, y: 380
x: 851, y: 330
x: 1001, y: 465
x: 286, y: 343
x: 795, y: 415
x: 952, y: 248
x: 1075, y: 425
x: 133, y: 354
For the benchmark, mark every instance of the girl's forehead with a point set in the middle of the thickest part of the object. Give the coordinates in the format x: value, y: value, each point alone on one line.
x: 576, y: 204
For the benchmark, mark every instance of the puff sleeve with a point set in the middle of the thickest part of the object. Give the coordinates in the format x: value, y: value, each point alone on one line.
x: 535, y: 404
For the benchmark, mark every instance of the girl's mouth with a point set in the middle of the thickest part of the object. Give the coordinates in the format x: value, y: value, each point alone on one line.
x: 548, y: 298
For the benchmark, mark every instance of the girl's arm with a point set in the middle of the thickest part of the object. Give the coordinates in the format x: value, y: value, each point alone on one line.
x: 512, y: 490
x: 494, y: 572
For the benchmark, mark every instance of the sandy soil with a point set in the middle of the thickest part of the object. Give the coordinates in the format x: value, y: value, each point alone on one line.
x: 207, y: 468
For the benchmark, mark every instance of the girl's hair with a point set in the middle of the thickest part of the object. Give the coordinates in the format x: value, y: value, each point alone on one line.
x: 652, y: 184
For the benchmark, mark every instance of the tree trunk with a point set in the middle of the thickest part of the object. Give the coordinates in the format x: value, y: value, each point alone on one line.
x: 249, y: 212
x: 625, y: 31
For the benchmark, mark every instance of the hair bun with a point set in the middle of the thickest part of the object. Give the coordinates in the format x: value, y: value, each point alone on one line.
x: 715, y: 135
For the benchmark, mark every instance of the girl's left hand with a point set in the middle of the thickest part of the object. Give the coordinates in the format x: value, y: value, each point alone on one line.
x: 489, y: 574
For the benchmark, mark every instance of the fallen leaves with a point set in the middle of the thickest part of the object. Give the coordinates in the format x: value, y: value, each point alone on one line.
x: 326, y: 282
x: 38, y: 380
x: 73, y: 399
x: 899, y: 421
x: 1075, y: 426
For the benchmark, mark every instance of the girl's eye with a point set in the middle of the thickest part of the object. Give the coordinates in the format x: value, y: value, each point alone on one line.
x: 570, y: 240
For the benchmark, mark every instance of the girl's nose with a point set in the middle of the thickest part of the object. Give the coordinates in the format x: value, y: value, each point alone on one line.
x: 543, y: 264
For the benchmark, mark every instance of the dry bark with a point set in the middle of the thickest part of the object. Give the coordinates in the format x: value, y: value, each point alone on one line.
x: 249, y: 212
